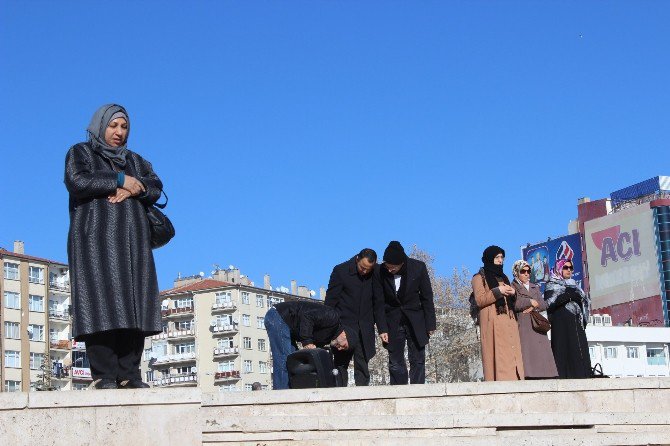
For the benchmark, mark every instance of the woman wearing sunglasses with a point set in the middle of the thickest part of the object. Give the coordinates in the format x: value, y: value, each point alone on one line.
x: 568, y: 308
x: 538, y: 361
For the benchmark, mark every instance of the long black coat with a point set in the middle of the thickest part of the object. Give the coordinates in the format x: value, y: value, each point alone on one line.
x: 309, y: 322
x: 353, y: 298
x: 112, y: 272
x: 416, y: 303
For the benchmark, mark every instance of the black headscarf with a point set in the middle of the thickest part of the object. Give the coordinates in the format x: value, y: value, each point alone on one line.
x: 494, y: 274
x: 96, y: 133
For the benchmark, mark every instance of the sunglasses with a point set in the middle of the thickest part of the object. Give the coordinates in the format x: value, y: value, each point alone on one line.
x: 568, y: 267
x: 525, y: 271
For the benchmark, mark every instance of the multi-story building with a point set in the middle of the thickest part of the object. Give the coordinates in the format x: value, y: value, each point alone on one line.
x: 214, y: 334
x: 628, y: 351
x: 36, y: 342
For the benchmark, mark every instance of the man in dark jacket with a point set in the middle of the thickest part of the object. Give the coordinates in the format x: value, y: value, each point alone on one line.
x: 308, y: 323
x: 410, y: 313
x: 350, y: 292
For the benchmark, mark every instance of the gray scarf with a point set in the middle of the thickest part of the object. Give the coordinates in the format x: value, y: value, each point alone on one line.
x: 96, y: 133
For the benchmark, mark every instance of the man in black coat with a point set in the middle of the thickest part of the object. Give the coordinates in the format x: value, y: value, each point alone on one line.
x: 310, y: 324
x: 350, y: 292
x: 410, y: 313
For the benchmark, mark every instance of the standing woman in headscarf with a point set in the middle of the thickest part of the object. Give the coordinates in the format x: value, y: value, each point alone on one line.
x: 495, y: 298
x: 538, y: 360
x: 115, y: 302
x: 568, y: 308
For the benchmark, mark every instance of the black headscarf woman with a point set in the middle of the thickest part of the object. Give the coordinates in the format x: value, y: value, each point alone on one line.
x: 494, y: 275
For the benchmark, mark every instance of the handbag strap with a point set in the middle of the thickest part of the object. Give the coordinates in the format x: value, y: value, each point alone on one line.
x: 162, y: 205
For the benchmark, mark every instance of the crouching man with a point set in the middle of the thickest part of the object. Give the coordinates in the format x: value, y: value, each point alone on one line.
x: 307, y: 323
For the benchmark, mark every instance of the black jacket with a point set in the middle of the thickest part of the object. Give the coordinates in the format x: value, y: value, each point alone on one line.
x: 310, y: 323
x: 353, y: 298
x: 415, y: 299
x: 112, y: 270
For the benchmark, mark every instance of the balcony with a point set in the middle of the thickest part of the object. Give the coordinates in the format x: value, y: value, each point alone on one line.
x: 60, y: 345
x: 174, y: 313
x: 227, y: 376
x: 62, y: 316
x: 223, y: 307
x: 656, y: 360
x: 59, y: 287
x: 226, y: 352
x: 177, y: 380
x: 180, y: 335
x: 224, y: 329
x: 174, y: 359
x: 62, y: 373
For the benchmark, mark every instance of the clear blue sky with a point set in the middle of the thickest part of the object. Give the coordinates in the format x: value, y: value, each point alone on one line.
x: 290, y: 134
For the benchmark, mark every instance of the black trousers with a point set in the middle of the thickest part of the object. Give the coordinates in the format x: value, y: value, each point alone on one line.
x: 115, y: 354
x: 341, y: 360
x: 416, y: 355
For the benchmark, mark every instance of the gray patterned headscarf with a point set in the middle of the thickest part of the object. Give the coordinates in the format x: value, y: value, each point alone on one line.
x: 518, y: 266
x: 96, y: 133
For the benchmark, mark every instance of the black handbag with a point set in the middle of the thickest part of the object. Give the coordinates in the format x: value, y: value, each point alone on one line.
x: 161, y: 227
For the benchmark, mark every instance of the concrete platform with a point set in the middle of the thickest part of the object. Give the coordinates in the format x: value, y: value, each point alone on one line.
x: 626, y: 411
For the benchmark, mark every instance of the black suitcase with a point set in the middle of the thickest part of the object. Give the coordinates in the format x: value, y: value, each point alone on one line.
x: 311, y: 368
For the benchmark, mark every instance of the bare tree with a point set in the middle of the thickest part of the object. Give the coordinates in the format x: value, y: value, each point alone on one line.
x: 453, y: 353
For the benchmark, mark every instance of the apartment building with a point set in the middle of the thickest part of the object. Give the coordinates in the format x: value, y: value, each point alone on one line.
x: 36, y: 342
x: 214, y: 334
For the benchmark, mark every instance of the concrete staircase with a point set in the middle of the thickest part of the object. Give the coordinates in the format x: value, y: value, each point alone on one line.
x: 628, y: 411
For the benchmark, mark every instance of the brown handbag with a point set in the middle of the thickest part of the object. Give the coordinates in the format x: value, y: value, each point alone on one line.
x: 539, y: 323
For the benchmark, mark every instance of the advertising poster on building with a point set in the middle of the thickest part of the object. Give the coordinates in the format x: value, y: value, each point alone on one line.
x: 543, y: 256
x: 621, y: 250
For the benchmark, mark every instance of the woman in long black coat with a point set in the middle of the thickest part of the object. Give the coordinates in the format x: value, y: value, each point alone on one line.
x: 115, y: 297
x: 568, y: 308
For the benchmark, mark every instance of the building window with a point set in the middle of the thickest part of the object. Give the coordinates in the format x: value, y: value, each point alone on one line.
x: 223, y: 320
x: 262, y: 367
x: 36, y: 360
x: 260, y: 322
x: 149, y: 376
x: 147, y: 354
x: 227, y: 366
x: 12, y: 330
x: 247, y: 343
x: 12, y: 359
x: 248, y: 366
x: 12, y: 300
x: 610, y: 352
x: 11, y: 271
x: 185, y: 370
x: 632, y: 352
x: 184, y: 302
x: 246, y: 320
x: 184, y: 325
x: 247, y: 387
x: 80, y: 359
x: 245, y: 298
x: 272, y: 301
x: 36, y: 332
x: 259, y: 300
x: 261, y: 345
x: 592, y: 353
x: 36, y: 303
x: 225, y: 343
x: 228, y: 388
x: 223, y: 297
x: 185, y: 348
x: 80, y: 386
x: 12, y: 386
x: 655, y: 356
x: 35, y: 274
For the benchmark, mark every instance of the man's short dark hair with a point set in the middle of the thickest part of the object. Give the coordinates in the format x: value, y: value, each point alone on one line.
x: 367, y: 253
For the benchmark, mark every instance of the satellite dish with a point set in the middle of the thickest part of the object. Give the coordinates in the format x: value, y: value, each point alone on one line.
x: 202, y: 274
x: 312, y: 293
x: 231, y: 267
x: 194, y: 369
x: 213, y: 323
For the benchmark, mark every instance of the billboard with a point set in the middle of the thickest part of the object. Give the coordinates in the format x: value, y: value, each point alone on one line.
x: 623, y: 264
x: 543, y: 256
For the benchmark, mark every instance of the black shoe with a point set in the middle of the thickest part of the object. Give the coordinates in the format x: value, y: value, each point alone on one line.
x: 105, y: 383
x: 133, y: 384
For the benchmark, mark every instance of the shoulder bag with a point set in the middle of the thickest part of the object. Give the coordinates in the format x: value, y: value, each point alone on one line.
x: 162, y: 230
x: 539, y: 323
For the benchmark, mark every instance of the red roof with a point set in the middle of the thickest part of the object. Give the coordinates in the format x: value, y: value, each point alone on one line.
x: 4, y: 252
x: 205, y: 284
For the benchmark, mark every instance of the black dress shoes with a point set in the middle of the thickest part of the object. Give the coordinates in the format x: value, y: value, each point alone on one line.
x: 105, y: 383
x: 133, y: 384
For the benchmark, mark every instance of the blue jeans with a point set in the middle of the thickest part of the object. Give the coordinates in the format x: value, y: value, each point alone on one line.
x: 281, y: 346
